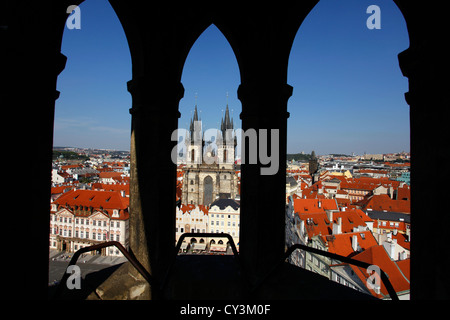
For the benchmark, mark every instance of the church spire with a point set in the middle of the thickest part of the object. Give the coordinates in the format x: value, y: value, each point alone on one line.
x: 227, y: 122
x: 195, y: 125
x: 195, y: 114
x: 195, y: 118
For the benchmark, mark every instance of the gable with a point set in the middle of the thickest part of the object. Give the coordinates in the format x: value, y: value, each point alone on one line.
x: 64, y: 213
x: 98, y: 215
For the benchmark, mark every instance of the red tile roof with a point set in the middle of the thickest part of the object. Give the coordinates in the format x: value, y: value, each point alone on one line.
x: 312, y: 205
x: 342, y: 243
x: 320, y: 224
x: 367, y: 183
x: 110, y: 174
x: 398, y: 272
x: 404, y: 193
x: 112, y: 187
x: 384, y: 202
x: 105, y: 201
x: 60, y: 189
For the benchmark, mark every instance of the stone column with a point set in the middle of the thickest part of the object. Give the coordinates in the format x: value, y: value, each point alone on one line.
x: 428, y: 101
x: 262, y: 214
x: 153, y: 174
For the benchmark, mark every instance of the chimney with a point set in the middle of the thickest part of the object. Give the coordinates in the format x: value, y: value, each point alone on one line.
x: 302, y: 227
x: 355, y: 242
x: 330, y: 215
x: 320, y: 204
x: 337, y: 227
x: 389, y: 246
x: 403, y: 255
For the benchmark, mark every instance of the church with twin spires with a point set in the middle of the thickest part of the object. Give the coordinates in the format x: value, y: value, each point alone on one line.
x: 210, y: 175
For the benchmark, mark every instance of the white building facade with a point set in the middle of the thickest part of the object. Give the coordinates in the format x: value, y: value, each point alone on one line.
x: 75, y: 226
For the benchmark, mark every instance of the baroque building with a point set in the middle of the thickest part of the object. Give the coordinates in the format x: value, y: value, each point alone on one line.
x: 210, y: 174
x: 82, y: 218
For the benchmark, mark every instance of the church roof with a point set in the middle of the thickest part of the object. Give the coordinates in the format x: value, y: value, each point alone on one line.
x: 223, y: 203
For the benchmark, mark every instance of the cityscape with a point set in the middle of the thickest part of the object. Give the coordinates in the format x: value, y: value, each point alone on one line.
x: 356, y: 206
x: 347, y: 188
x: 199, y: 157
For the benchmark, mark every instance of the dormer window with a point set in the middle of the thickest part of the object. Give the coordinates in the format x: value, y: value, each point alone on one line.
x: 115, y: 213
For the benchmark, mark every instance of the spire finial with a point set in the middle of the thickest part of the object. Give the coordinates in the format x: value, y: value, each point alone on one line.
x: 227, y: 97
x: 195, y: 98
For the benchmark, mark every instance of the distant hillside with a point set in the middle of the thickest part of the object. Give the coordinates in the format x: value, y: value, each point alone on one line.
x: 298, y: 157
x: 68, y: 155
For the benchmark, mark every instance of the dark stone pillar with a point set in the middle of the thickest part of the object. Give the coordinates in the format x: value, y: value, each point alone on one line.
x: 262, y: 221
x: 153, y: 173
x: 428, y: 125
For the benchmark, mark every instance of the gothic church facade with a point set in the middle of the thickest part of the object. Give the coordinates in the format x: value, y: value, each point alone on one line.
x: 209, y: 174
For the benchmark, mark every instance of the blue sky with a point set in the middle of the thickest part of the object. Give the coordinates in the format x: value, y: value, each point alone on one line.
x: 348, y: 89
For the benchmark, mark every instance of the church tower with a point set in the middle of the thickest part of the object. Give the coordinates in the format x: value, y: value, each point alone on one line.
x: 205, y: 181
x: 314, y: 167
x: 194, y: 142
x: 226, y: 142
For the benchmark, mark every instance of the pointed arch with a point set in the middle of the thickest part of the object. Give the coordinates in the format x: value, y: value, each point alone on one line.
x: 85, y: 106
x: 346, y: 74
x: 200, y: 31
x: 210, y: 58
